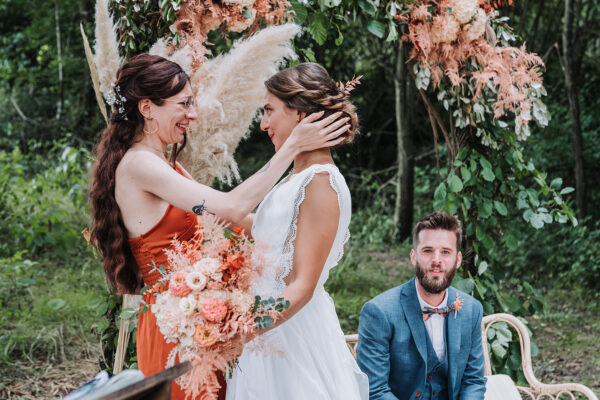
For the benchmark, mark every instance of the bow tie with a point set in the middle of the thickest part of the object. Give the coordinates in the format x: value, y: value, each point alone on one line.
x: 428, y: 311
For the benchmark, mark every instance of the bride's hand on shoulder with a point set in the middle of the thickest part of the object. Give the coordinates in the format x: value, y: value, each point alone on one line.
x: 314, y: 132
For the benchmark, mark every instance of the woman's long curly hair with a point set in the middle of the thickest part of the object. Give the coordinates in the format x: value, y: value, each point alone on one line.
x: 308, y: 88
x: 141, y: 77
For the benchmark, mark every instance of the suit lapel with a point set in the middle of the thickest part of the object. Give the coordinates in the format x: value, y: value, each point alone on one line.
x: 454, y: 334
x: 414, y: 316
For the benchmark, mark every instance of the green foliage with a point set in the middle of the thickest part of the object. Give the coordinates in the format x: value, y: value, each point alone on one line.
x: 44, y: 95
x: 142, y: 24
x: 47, y: 271
x: 44, y: 201
x: 106, y: 307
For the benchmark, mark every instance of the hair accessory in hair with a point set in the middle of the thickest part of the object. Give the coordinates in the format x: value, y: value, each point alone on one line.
x: 349, y: 86
x: 118, y: 100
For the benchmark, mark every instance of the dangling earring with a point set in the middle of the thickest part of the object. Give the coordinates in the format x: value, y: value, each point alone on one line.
x: 148, y: 131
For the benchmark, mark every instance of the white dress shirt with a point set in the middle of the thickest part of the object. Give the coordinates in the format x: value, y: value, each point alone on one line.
x: 435, y: 326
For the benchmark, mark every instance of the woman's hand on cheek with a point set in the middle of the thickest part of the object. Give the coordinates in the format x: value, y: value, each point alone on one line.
x: 313, y: 133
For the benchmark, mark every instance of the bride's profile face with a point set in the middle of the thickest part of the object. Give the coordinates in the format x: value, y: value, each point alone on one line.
x: 278, y: 120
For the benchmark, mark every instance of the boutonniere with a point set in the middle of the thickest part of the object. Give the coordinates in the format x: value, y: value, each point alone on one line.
x: 457, y: 304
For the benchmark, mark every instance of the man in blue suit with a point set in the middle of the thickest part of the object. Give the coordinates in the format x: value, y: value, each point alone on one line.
x: 422, y: 340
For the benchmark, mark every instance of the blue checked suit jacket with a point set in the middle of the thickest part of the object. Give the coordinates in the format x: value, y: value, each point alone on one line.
x: 392, y: 346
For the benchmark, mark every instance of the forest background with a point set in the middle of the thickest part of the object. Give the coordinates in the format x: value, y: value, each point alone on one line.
x: 57, y: 319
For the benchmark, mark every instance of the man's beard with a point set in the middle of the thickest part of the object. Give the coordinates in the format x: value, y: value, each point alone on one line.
x: 432, y: 285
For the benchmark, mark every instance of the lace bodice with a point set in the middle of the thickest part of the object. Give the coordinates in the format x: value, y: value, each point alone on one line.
x: 276, y: 221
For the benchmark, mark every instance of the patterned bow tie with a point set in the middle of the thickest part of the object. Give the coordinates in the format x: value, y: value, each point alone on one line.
x: 428, y: 311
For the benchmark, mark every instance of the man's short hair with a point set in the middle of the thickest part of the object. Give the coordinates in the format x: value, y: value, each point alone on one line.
x: 438, y: 220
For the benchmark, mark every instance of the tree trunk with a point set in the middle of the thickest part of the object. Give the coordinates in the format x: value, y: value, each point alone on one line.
x: 573, y: 98
x: 403, y: 210
x: 59, y: 102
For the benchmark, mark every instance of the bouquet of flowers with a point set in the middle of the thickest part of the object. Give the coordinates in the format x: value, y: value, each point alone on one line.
x: 204, y: 303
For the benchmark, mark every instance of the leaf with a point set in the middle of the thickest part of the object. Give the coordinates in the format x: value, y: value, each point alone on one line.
x: 466, y: 174
x: 455, y: 184
x: 498, y: 349
x: 511, y: 241
x: 367, y: 6
x: 99, y: 306
x: 537, y: 221
x: 300, y: 11
x: 503, y: 333
x: 483, y: 266
x: 56, y: 304
x: 501, y: 208
x: 317, y: 27
x: 103, y: 325
x: 556, y: 183
x: 567, y: 190
x: 330, y: 3
x: 376, y: 28
x: 127, y: 313
x: 340, y: 38
x: 440, y: 192
x: 393, y: 35
x: 486, y: 209
x: 488, y: 174
x: 464, y: 285
x: 514, y: 304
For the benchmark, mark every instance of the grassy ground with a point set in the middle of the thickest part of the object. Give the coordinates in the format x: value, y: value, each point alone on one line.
x: 567, y: 336
x: 54, y: 351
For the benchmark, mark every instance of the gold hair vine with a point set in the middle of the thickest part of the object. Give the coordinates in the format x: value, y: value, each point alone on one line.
x: 349, y: 86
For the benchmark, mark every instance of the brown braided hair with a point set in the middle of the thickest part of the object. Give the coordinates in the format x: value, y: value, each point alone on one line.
x: 308, y: 88
x: 142, y: 77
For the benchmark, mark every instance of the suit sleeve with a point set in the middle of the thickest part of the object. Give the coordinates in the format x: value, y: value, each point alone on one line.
x: 473, y: 381
x: 373, y: 352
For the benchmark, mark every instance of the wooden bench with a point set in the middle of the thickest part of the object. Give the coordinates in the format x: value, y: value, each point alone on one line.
x: 536, y: 390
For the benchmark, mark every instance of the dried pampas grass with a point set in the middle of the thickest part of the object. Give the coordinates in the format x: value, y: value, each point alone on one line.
x: 230, y: 90
x: 106, y: 48
x: 183, y: 56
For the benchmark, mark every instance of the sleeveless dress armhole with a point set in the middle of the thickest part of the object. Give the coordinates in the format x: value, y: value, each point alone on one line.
x: 286, y: 260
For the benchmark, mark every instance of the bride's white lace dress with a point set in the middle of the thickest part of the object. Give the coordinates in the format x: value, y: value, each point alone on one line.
x: 306, y: 357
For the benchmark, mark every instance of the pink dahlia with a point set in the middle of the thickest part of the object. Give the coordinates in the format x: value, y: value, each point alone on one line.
x: 178, y: 285
x: 213, y: 310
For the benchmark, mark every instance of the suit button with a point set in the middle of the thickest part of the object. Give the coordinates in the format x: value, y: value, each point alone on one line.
x: 418, y: 394
x: 429, y: 376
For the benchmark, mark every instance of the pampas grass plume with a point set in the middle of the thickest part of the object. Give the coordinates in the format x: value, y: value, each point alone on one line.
x: 106, y: 48
x: 230, y: 91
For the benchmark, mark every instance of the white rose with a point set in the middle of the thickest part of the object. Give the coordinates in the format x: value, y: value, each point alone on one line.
x: 195, y: 281
x: 187, y: 305
x: 209, y: 267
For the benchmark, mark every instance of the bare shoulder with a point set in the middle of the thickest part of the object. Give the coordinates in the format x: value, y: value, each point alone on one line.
x: 139, y: 164
x: 319, y: 194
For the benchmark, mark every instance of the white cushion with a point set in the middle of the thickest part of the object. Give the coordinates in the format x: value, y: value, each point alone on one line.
x: 501, y: 387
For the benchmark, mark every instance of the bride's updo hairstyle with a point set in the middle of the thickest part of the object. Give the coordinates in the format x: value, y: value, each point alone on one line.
x: 308, y: 88
x: 142, y: 77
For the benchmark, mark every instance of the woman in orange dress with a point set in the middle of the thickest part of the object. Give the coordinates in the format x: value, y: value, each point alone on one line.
x: 141, y: 201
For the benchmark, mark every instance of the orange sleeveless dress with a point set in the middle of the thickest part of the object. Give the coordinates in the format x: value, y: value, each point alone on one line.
x: 152, y: 349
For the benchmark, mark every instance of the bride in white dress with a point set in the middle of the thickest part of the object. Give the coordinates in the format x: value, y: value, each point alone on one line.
x: 304, y: 223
